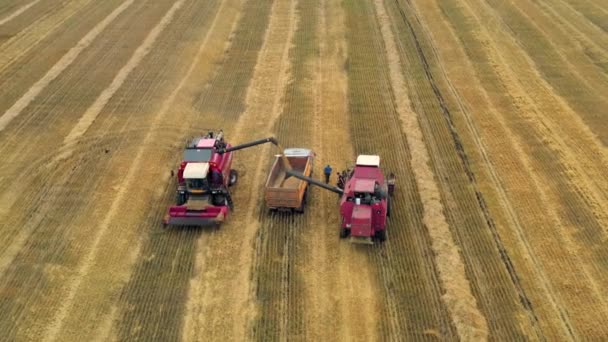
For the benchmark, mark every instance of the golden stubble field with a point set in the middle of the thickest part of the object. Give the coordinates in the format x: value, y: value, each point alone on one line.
x: 491, y: 113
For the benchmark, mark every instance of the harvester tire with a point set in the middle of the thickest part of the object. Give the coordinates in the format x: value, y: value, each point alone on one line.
x: 380, y: 235
x: 343, y: 233
x: 180, y: 198
x: 234, y: 176
x: 388, y: 206
x: 219, y: 200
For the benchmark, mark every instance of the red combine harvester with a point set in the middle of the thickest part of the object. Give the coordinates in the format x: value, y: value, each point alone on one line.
x: 203, y: 178
x: 365, y: 201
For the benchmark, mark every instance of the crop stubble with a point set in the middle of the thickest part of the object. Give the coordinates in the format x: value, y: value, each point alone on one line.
x: 518, y: 86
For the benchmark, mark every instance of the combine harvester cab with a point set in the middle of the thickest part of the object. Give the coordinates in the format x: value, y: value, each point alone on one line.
x: 203, y: 178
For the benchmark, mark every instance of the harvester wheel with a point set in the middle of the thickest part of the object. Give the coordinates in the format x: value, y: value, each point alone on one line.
x: 180, y: 198
x: 388, y: 206
x: 343, y: 233
x: 234, y: 176
x: 380, y: 235
x: 219, y: 200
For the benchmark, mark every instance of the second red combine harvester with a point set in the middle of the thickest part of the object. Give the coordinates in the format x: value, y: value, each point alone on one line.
x: 203, y: 178
x: 365, y: 199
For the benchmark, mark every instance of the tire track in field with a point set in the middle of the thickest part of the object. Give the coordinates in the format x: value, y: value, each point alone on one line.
x: 469, y: 321
x: 230, y: 257
x: 18, y: 12
x: 512, y: 219
x: 59, y: 67
x: 583, y: 155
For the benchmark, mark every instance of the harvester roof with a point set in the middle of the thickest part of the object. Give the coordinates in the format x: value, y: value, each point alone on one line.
x: 205, y: 143
x: 196, y: 170
x: 368, y: 160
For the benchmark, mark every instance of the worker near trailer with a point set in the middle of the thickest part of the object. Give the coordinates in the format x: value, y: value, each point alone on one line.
x: 327, y: 172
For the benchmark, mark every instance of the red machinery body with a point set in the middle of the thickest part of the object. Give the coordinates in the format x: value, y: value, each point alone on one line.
x: 203, y: 180
x: 365, y: 202
x: 365, y: 199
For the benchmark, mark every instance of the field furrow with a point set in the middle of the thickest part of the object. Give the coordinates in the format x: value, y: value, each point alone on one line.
x: 509, y: 159
x: 230, y: 255
x: 72, y: 242
x: 466, y: 209
x: 562, y: 76
x: 32, y: 66
x: 278, y: 283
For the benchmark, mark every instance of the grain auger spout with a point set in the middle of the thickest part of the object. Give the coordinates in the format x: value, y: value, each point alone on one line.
x: 309, y: 180
x: 249, y: 144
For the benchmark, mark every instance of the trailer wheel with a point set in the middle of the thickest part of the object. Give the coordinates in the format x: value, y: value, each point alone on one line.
x: 380, y: 235
x: 343, y: 233
x: 300, y: 210
x: 234, y: 176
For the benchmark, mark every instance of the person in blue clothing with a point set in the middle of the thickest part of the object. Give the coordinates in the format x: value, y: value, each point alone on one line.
x: 327, y: 172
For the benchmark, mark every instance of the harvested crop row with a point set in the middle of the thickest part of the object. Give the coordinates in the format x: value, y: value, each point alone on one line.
x: 71, y: 210
x: 10, y: 10
x: 467, y: 208
x: 33, y: 65
x: 407, y: 267
x: 52, y: 111
x: 491, y: 102
x: 279, y: 288
x: 592, y: 10
x: 224, y: 95
x: 229, y: 255
x: 25, y: 40
x: 578, y: 194
x: 586, y: 100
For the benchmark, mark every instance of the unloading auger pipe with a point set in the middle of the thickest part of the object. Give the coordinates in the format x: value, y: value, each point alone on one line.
x: 249, y: 144
x: 314, y: 181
